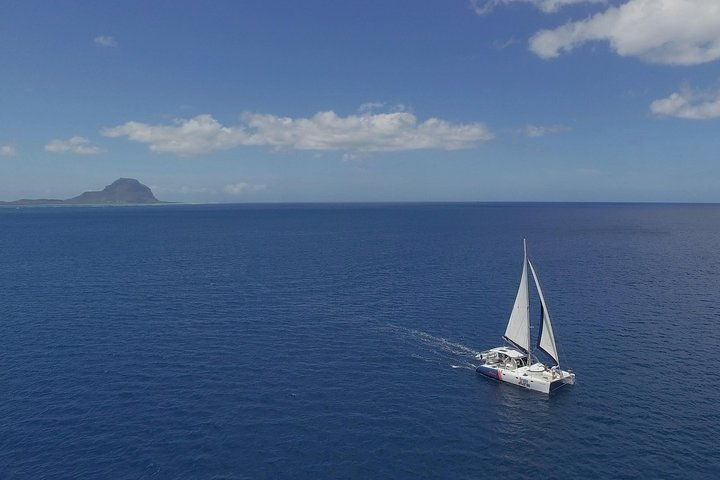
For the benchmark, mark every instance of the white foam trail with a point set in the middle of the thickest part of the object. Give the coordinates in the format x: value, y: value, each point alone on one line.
x: 442, y: 343
x: 467, y: 366
x: 439, y: 345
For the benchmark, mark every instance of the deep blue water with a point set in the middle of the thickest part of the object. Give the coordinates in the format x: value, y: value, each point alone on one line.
x: 337, y: 341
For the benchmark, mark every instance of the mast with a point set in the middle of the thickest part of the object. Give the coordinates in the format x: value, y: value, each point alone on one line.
x: 529, y: 349
x: 518, y: 330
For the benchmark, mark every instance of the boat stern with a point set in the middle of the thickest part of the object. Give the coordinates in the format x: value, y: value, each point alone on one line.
x: 564, y: 378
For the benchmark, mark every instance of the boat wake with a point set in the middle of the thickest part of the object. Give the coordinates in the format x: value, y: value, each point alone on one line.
x: 436, y: 349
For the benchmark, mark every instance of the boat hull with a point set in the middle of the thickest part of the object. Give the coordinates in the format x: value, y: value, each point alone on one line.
x: 531, y: 378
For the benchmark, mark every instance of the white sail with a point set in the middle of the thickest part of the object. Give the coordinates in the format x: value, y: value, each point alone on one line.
x: 546, y: 338
x: 518, y: 327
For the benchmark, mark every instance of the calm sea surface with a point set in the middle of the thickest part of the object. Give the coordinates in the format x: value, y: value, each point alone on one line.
x: 338, y: 341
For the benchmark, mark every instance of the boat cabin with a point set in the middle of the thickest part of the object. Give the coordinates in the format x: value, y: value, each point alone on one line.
x: 504, y: 357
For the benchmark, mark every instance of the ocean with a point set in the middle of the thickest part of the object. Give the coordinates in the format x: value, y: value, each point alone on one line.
x: 328, y: 341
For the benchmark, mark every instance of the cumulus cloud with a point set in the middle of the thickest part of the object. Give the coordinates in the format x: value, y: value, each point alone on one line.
x: 243, y: 187
x: 689, y: 105
x: 78, y: 145
x: 542, y: 130
x: 483, y: 7
x: 105, y: 41
x: 365, y: 132
x: 202, y: 134
x: 670, y: 32
x: 380, y: 132
x: 7, y: 151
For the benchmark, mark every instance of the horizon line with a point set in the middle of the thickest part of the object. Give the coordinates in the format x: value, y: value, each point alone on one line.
x: 366, y: 202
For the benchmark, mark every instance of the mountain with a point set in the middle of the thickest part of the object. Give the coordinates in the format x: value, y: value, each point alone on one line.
x: 121, y: 191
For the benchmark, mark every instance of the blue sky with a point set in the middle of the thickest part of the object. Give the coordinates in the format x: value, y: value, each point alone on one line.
x: 375, y: 100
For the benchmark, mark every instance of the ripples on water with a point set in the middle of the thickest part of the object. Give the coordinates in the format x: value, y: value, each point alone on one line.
x: 339, y: 342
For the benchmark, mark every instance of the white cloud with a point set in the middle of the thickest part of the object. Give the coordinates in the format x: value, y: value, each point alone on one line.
x: 542, y: 130
x: 202, y: 134
x: 79, y: 145
x: 380, y: 132
x: 7, y: 151
x: 689, y: 105
x: 483, y: 7
x: 365, y: 132
x: 498, y: 45
x: 105, y: 41
x: 243, y: 187
x: 671, y: 32
x: 370, y: 107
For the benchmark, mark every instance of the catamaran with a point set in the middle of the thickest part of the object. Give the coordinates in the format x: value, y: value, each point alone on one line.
x: 515, y: 362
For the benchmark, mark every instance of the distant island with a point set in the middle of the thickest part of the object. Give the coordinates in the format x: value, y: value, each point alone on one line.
x: 121, y: 191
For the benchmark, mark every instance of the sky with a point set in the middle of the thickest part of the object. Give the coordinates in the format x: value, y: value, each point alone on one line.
x: 362, y: 100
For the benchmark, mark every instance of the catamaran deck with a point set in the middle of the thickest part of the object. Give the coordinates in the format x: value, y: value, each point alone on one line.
x: 509, y: 365
x: 535, y: 377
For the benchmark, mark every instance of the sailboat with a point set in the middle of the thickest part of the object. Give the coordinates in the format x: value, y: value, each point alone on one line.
x: 515, y: 362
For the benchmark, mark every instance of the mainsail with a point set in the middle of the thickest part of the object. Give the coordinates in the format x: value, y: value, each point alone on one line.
x: 518, y: 327
x: 546, y: 339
